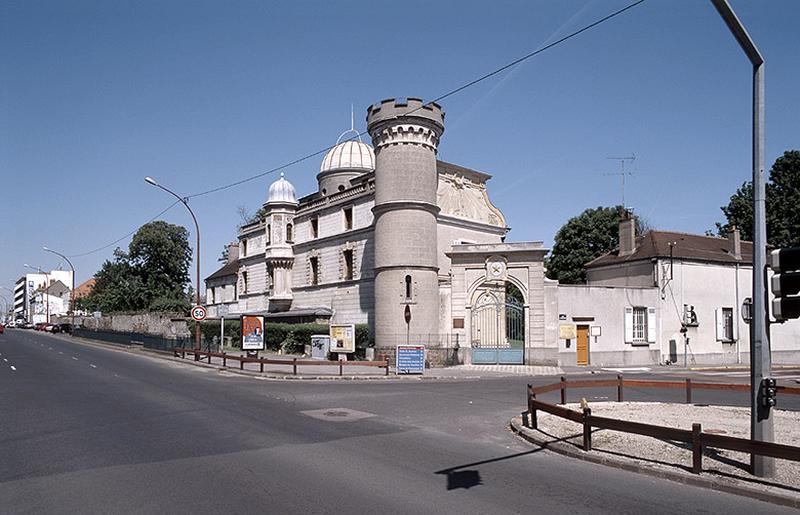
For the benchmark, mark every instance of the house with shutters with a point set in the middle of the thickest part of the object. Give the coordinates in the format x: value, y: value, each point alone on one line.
x: 666, y: 297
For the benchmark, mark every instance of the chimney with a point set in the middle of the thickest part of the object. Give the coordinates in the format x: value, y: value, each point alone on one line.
x: 233, y: 251
x: 735, y: 243
x: 627, y: 234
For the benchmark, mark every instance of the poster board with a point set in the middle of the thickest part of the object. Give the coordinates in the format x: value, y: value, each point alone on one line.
x: 567, y: 331
x: 252, y: 332
x: 343, y: 338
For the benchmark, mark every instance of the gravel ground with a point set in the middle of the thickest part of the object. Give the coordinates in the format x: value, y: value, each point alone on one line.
x: 650, y: 452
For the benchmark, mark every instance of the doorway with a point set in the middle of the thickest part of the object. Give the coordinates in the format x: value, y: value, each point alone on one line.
x: 582, y: 345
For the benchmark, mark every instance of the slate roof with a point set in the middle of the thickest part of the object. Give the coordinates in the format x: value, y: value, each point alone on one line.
x: 229, y: 269
x: 688, y: 247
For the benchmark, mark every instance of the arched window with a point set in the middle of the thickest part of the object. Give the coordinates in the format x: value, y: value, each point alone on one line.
x: 408, y: 287
x: 289, y: 233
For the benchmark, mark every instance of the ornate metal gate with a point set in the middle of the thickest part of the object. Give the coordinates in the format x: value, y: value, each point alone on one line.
x: 498, y: 330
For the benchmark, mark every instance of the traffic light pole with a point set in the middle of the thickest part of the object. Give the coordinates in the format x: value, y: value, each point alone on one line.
x: 761, y: 422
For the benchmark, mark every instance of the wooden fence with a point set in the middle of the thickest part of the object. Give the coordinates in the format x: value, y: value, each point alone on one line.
x: 696, y: 437
x: 294, y: 362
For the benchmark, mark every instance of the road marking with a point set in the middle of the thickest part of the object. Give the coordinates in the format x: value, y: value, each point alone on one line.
x: 73, y: 357
x: 50, y: 348
x: 60, y: 352
x: 4, y: 359
x: 92, y: 365
x: 13, y: 368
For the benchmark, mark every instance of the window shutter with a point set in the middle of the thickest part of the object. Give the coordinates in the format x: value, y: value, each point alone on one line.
x: 651, y: 325
x: 719, y: 319
x: 734, y: 325
x: 628, y: 325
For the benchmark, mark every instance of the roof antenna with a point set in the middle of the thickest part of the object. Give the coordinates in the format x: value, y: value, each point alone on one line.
x: 622, y: 173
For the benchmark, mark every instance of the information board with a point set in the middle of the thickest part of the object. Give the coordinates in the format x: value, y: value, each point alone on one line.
x: 343, y: 337
x: 252, y: 332
x: 410, y: 359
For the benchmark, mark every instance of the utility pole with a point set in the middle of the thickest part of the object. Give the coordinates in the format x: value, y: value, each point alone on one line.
x: 762, y: 426
x: 622, y: 173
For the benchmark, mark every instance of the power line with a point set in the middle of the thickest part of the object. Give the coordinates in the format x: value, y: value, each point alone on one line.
x: 122, y: 238
x: 435, y: 100
x: 362, y: 133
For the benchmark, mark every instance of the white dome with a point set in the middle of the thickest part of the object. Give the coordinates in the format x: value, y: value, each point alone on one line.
x: 349, y: 155
x: 282, y: 191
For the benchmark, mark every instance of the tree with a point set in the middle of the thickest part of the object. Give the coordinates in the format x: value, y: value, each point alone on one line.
x: 783, y: 199
x: 151, y: 276
x: 583, y: 238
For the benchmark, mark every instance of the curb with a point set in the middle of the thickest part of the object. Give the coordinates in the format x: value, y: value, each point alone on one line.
x: 709, y: 482
x: 167, y: 356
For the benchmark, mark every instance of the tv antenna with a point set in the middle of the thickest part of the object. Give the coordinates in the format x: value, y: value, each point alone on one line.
x: 622, y: 172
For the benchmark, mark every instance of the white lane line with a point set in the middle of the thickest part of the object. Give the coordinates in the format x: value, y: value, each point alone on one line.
x: 4, y: 359
x: 73, y: 357
x: 92, y: 365
x: 13, y: 368
x: 49, y: 348
x: 60, y: 352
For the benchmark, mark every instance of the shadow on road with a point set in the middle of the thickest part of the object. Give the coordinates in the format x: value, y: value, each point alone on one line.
x: 457, y: 478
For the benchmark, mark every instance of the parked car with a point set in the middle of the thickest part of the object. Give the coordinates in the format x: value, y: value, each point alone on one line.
x: 65, y: 328
x: 52, y: 328
x: 39, y: 326
x: 2, y: 328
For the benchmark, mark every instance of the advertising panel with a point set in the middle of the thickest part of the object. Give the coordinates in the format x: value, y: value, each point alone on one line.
x: 252, y: 332
x: 343, y: 338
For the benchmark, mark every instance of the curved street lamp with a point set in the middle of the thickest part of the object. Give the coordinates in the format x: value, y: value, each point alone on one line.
x: 72, y: 291
x: 184, y: 201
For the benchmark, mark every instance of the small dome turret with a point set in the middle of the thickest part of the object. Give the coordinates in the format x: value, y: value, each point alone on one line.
x: 282, y: 191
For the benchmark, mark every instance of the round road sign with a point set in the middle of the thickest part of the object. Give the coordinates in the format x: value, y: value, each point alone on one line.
x: 199, y: 313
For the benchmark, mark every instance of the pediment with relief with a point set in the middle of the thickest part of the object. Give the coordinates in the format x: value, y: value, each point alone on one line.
x: 461, y: 197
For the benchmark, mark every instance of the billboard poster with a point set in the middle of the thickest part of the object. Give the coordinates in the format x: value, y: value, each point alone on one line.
x: 252, y: 332
x: 343, y: 338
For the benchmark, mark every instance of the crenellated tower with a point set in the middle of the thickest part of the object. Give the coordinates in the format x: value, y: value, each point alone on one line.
x: 405, y: 135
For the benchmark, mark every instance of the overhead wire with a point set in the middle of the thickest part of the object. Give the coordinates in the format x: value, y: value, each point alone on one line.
x: 437, y: 99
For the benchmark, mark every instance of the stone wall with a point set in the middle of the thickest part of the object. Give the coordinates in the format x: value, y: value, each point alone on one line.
x: 169, y: 325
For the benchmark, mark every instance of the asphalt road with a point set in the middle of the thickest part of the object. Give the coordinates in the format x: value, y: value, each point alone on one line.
x: 85, y: 429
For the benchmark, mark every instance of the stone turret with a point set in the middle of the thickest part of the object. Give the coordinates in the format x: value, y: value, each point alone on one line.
x: 405, y: 135
x: 280, y: 207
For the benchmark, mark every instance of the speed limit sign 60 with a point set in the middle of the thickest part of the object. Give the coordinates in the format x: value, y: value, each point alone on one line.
x: 199, y: 313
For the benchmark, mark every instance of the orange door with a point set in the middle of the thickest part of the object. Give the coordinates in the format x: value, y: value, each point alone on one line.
x: 582, y: 346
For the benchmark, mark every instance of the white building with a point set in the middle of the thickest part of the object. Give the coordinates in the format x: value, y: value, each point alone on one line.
x: 26, y: 287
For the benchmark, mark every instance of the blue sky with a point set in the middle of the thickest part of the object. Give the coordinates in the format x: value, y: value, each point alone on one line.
x: 95, y: 95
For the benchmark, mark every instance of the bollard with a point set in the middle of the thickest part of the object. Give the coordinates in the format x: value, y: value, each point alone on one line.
x: 224, y: 360
x: 620, y: 384
x: 525, y: 422
x: 587, y: 429
x: 241, y: 363
x: 688, y: 391
x: 261, y: 365
x: 697, y: 449
x: 340, y: 368
x: 563, y: 390
x: 209, y: 358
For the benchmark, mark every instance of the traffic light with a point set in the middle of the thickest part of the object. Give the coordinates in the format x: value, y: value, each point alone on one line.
x: 785, y: 283
x: 769, y: 392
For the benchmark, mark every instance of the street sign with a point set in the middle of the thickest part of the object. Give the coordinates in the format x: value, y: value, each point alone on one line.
x: 199, y: 313
x: 410, y: 359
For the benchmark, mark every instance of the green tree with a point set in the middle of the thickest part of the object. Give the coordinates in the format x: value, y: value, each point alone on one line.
x: 583, y: 238
x: 782, y: 207
x: 152, y: 275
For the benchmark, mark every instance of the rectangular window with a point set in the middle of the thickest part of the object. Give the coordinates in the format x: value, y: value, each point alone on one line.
x: 210, y: 295
x: 244, y: 282
x: 348, y: 218
x: 639, y: 324
x: 315, y: 227
x: 348, y: 265
x: 314, y: 265
x: 727, y: 324
x: 271, y: 279
x: 244, y: 247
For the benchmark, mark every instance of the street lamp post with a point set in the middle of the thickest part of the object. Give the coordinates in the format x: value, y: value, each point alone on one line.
x: 761, y: 422
x: 72, y: 291
x: 184, y: 201
x: 46, y: 287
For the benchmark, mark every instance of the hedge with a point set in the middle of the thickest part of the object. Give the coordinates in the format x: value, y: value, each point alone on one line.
x: 290, y: 338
